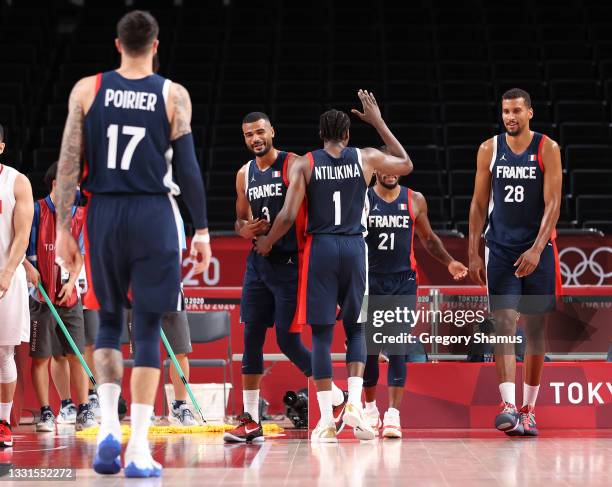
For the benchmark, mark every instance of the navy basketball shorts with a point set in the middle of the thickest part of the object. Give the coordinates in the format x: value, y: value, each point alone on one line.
x: 334, y: 274
x: 393, y: 284
x: 532, y: 294
x: 269, y: 290
x: 398, y: 284
x: 133, y: 243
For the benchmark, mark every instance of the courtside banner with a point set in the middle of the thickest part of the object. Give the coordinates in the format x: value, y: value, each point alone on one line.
x: 573, y: 395
x: 583, y: 260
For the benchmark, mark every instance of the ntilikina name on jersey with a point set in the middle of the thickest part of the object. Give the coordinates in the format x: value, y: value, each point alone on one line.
x: 346, y: 171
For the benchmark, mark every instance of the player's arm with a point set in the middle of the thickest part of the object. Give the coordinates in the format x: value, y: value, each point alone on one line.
x: 431, y: 241
x: 245, y: 225
x: 32, y: 274
x: 478, y: 210
x: 31, y: 260
x: 397, y: 160
x: 65, y: 292
x: 22, y: 224
x: 551, y: 159
x: 299, y: 174
x: 188, y: 172
x: 68, y: 170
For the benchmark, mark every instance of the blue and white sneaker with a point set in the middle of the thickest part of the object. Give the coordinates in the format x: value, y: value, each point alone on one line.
x: 107, y: 460
x: 182, y: 416
x: 67, y: 414
x: 140, y: 464
x: 509, y: 420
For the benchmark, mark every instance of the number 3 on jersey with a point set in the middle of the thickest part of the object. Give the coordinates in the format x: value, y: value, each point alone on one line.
x: 137, y: 133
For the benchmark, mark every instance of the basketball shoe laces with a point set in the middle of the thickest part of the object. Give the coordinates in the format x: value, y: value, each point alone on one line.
x: 527, y: 416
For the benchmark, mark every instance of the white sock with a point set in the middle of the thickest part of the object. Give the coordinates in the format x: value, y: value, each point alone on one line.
x: 355, y: 385
x: 530, y: 394
x: 325, y: 406
x: 108, y: 396
x: 250, y: 398
x: 508, y: 392
x: 337, y: 395
x: 140, y: 419
x: 370, y: 407
x: 5, y: 411
x: 393, y: 412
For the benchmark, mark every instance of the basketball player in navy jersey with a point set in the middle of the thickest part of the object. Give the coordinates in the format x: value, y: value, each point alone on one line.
x: 124, y: 122
x: 269, y: 292
x: 335, y: 180
x: 518, y: 180
x: 395, y: 214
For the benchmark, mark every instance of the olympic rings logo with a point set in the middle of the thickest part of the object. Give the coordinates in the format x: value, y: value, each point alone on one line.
x: 571, y: 275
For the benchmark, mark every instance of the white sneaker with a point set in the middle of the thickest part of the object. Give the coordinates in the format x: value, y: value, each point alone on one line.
x: 182, y: 416
x: 324, y: 433
x: 355, y: 418
x: 391, y: 425
x: 373, y: 417
x: 140, y: 463
x: 46, y: 423
x: 67, y: 414
x: 94, y: 405
x: 85, y: 419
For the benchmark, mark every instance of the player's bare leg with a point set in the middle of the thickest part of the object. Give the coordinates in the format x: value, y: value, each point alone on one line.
x: 79, y: 381
x: 109, y: 366
x: 180, y: 410
x: 508, y: 419
x: 8, y: 383
x: 180, y: 392
x: 60, y: 374
x: 40, y: 379
x: 532, y: 370
x: 94, y: 403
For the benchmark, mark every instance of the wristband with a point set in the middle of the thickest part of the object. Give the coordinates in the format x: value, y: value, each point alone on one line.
x: 197, y: 238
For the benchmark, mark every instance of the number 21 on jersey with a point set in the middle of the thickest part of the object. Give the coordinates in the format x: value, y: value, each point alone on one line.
x: 112, y: 133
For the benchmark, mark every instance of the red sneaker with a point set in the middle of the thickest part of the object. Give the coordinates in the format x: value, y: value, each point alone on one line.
x: 6, y: 435
x: 246, y: 432
x: 528, y: 421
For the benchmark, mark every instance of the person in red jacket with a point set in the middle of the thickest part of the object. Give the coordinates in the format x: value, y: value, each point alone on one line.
x: 47, y: 338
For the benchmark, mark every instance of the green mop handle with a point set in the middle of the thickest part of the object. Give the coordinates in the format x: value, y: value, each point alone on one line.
x: 181, y: 374
x: 66, y: 333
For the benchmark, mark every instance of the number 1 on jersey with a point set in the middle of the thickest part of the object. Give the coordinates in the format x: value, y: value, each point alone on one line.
x: 137, y: 133
x: 337, y: 208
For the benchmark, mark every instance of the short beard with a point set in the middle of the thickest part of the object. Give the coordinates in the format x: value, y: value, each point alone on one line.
x: 387, y: 185
x: 516, y: 133
x: 267, y: 149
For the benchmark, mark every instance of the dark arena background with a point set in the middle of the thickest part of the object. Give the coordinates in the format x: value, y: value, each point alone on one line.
x: 438, y: 70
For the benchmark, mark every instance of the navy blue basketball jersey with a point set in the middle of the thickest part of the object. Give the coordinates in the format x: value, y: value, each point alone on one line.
x: 390, y: 233
x: 127, y: 136
x: 516, y: 205
x: 266, y: 192
x: 336, y: 193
